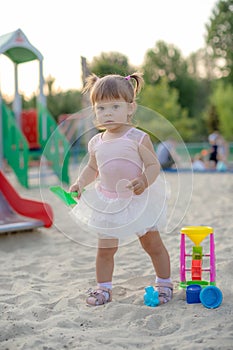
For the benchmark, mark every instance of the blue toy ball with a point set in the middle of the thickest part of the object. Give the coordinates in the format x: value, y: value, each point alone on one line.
x: 151, y: 297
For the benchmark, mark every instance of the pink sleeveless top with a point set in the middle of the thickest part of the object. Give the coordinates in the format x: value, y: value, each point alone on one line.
x: 118, y: 160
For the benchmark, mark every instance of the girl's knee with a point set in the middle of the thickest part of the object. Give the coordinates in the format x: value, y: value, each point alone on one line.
x: 152, y: 242
x: 107, y: 247
x: 106, y: 253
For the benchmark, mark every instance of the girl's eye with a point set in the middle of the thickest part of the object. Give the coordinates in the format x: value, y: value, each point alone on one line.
x: 116, y: 106
x: 100, y: 108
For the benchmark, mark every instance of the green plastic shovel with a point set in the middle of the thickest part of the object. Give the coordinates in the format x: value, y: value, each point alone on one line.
x: 66, y: 197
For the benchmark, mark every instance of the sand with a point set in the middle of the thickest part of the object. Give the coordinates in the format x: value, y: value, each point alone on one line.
x: 45, y: 276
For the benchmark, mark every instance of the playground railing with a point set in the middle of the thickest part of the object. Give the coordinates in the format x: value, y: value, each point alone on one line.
x: 196, y: 147
x: 56, y: 147
x: 15, y: 146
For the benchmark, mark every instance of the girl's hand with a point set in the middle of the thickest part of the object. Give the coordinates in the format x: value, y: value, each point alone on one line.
x: 137, y: 185
x: 76, y: 188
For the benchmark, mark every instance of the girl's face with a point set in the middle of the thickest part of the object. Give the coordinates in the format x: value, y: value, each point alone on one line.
x: 113, y: 114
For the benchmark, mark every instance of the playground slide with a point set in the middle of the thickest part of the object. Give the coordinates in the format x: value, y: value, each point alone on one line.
x: 17, y: 213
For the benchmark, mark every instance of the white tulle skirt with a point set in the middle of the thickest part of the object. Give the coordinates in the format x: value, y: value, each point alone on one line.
x: 123, y: 216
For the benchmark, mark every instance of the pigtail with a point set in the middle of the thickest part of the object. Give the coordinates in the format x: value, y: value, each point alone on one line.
x: 89, y: 83
x: 139, y: 81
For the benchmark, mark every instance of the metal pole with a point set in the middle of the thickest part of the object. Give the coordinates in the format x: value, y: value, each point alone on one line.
x: 17, y: 103
x: 42, y: 101
x: 42, y: 98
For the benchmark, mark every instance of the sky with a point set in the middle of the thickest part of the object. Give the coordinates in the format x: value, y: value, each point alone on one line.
x: 63, y: 31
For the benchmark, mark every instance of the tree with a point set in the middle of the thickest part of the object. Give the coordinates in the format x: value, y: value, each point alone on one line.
x: 165, y: 60
x: 110, y: 63
x: 220, y: 37
x: 67, y: 102
x: 58, y: 102
x: 163, y: 99
x: 62, y: 102
x: 201, y: 64
x: 50, y: 82
x: 211, y: 118
x: 221, y: 100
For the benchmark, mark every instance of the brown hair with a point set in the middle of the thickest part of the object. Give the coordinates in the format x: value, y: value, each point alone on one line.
x: 113, y: 87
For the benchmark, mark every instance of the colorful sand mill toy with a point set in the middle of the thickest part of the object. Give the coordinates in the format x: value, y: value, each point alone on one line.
x: 197, y: 289
x: 197, y: 234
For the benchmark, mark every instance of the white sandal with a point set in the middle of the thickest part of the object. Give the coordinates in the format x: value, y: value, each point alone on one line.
x: 99, y: 296
x: 165, y: 291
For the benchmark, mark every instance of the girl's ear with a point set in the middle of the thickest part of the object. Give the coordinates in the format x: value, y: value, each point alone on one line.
x: 131, y: 108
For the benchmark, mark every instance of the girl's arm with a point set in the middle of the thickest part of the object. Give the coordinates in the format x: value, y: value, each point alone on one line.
x: 151, y: 167
x: 88, y: 175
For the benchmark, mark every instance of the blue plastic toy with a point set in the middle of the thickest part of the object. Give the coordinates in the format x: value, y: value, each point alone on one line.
x: 151, y: 297
x: 211, y: 297
x: 193, y: 294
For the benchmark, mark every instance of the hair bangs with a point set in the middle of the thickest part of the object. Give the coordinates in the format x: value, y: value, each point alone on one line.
x: 110, y: 89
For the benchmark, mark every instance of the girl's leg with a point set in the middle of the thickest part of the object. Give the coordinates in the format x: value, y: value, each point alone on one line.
x: 104, y: 271
x: 153, y: 245
x: 107, y: 248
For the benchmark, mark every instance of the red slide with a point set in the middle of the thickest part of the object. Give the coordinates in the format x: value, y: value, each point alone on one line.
x: 25, y: 207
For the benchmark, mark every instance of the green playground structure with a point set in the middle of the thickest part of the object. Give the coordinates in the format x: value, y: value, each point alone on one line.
x: 26, y: 137
x: 29, y: 134
x: 17, y: 151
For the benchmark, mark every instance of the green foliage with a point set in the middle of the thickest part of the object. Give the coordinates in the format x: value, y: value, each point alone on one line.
x: 58, y: 103
x: 165, y: 60
x: 211, y: 119
x: 164, y: 99
x: 110, y: 63
x: 64, y: 103
x: 220, y: 37
x: 161, y: 98
x: 222, y: 100
x: 174, y: 87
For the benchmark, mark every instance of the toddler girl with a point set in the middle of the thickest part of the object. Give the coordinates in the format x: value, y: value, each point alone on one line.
x: 129, y: 196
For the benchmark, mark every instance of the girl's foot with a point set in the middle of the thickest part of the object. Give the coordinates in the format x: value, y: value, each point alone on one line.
x: 99, y: 296
x: 165, y: 291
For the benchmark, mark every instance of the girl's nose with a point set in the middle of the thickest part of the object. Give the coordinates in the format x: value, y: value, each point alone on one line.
x: 108, y: 112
